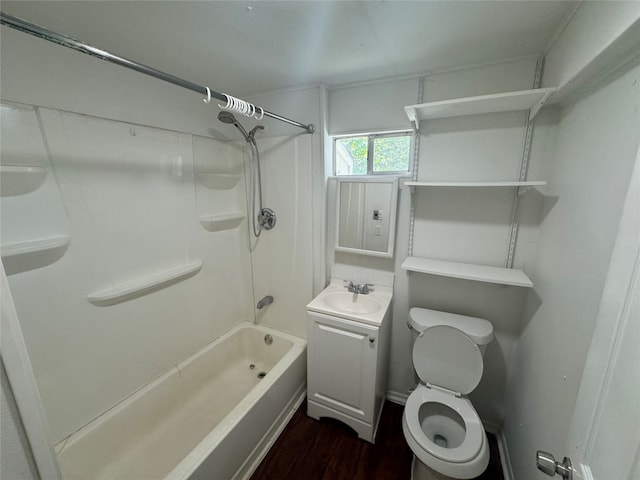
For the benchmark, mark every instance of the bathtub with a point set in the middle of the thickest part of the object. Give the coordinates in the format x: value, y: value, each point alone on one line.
x: 210, y: 417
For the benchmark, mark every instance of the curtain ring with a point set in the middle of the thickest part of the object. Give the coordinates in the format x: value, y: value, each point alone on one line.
x: 227, y: 105
x: 208, y: 99
x: 261, y: 114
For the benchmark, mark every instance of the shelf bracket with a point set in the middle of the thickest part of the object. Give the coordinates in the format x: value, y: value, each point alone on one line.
x: 536, y: 108
x: 523, y: 190
x: 412, y: 113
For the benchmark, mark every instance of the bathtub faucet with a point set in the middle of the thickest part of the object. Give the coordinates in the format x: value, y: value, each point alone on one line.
x: 265, y: 301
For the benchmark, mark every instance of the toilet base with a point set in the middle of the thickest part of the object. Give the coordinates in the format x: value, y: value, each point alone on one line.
x: 419, y: 471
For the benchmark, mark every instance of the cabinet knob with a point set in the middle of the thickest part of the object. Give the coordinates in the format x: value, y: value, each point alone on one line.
x: 372, y: 339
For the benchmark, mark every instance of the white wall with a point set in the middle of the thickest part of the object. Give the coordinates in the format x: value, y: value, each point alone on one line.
x: 41, y: 73
x: 450, y: 224
x: 594, y: 28
x: 282, y: 257
x: 300, y: 181
x: 597, y: 139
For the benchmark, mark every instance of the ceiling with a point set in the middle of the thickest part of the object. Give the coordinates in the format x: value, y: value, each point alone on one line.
x: 244, y: 48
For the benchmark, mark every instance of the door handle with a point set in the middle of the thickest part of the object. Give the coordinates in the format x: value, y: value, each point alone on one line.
x: 547, y: 463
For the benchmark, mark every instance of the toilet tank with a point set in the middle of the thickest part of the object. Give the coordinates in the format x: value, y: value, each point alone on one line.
x: 477, y: 329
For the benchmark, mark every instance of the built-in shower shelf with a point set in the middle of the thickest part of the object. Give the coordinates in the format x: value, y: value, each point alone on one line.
x: 144, y: 285
x: 19, y: 179
x: 531, y: 100
x: 219, y: 181
x: 217, y: 223
x: 34, y: 246
x: 467, y: 271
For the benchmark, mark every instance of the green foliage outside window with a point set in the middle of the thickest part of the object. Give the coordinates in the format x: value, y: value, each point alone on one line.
x: 357, y: 148
x: 390, y: 154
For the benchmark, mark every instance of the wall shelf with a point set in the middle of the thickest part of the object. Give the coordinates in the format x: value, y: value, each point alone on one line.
x: 531, y: 100
x: 34, y: 246
x: 19, y: 179
x: 217, y: 223
x: 522, y: 185
x: 219, y: 181
x: 145, y: 285
x: 467, y: 271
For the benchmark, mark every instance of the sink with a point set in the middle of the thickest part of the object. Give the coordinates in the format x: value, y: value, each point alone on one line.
x: 351, y: 303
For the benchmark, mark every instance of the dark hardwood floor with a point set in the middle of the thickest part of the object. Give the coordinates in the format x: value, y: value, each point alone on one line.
x: 329, y: 450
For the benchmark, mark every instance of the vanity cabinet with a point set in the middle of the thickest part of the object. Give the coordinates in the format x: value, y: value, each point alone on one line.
x: 347, y: 371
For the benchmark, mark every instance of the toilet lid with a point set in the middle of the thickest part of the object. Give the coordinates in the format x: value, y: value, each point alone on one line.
x: 446, y: 357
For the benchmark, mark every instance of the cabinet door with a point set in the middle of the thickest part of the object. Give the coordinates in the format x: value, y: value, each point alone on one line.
x: 342, y: 365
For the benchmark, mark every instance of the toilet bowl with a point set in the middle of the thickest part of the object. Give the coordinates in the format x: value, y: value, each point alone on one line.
x: 440, y: 424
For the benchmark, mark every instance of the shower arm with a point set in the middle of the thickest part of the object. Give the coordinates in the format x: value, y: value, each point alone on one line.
x: 69, y: 42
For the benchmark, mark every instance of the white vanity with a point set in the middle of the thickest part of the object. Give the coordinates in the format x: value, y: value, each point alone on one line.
x: 348, y: 345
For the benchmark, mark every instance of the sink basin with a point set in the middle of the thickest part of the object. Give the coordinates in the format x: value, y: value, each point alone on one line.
x: 351, y: 303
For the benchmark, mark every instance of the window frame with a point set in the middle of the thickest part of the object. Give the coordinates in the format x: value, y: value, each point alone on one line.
x: 371, y: 137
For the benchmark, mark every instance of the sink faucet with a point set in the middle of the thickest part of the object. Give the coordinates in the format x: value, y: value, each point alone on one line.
x: 351, y: 287
x: 357, y: 288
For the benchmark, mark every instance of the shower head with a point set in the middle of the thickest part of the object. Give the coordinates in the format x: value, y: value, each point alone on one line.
x: 228, y: 117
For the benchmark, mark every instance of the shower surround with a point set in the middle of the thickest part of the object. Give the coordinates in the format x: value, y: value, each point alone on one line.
x: 155, y: 222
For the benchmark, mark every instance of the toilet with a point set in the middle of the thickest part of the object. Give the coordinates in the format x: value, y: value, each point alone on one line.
x: 440, y: 424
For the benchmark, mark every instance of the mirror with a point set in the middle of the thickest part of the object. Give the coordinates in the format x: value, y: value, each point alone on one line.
x: 366, y: 215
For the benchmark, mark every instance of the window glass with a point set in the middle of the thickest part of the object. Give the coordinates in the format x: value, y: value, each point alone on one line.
x: 373, y: 154
x: 351, y: 156
x: 391, y: 154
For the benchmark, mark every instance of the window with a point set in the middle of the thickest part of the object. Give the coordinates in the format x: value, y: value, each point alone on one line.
x: 374, y: 154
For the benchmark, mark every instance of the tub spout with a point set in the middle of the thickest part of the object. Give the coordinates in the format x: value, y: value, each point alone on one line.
x: 265, y: 301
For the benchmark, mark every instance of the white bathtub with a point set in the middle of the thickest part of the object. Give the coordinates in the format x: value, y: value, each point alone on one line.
x: 210, y: 417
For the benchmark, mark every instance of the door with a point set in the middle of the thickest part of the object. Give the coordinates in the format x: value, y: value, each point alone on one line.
x: 342, y: 365
x: 604, y: 438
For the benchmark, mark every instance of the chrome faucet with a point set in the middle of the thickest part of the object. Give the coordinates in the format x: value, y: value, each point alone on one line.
x: 265, y: 301
x: 352, y: 287
x: 357, y: 288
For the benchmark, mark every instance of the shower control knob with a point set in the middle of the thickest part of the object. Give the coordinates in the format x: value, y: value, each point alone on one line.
x: 546, y: 463
x: 267, y: 218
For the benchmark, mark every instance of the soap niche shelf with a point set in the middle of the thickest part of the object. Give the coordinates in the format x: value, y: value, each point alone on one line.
x: 219, y: 181
x: 34, y: 246
x: 144, y: 285
x: 20, y: 179
x: 218, y: 223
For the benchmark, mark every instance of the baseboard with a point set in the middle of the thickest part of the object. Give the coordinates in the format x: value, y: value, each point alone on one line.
x: 397, y: 397
x: 505, y: 460
x: 491, y: 427
x: 261, y: 450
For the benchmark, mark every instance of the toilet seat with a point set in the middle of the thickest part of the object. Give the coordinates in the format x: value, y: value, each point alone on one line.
x: 474, y: 432
x: 446, y: 357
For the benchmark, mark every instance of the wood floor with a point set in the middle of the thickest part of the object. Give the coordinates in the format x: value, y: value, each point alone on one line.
x: 329, y: 450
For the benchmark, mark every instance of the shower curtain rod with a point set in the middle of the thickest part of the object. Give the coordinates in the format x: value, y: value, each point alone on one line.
x: 66, y: 41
